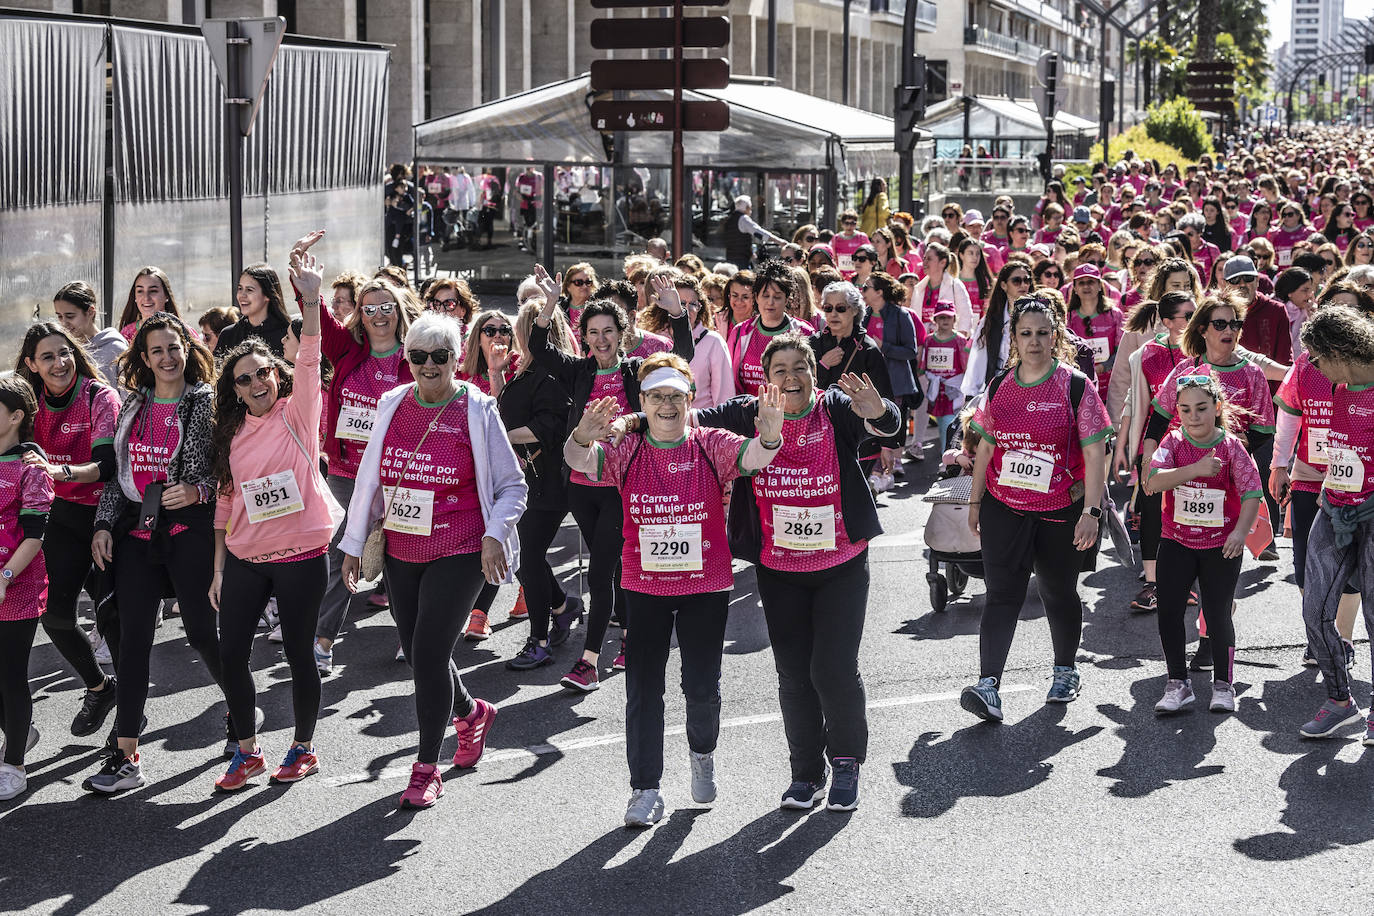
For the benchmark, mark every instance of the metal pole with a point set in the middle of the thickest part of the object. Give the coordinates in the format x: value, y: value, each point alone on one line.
x: 549, y: 217
x: 233, y: 152
x: 1102, y: 81
x: 844, y: 57
x: 772, y: 44
x: 679, y: 210
x: 1121, y: 87
x: 107, y: 217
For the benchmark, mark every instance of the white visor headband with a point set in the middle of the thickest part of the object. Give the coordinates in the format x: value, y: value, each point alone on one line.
x: 666, y: 378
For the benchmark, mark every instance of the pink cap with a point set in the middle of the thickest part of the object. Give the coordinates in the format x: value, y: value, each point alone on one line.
x: 1087, y: 270
x: 944, y: 308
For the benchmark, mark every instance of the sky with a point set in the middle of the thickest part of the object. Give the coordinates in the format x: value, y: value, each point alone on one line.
x: 1281, y: 17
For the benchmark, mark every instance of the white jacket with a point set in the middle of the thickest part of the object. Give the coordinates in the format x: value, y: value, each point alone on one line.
x: 952, y: 289
x: 715, y: 377
x: 501, y: 487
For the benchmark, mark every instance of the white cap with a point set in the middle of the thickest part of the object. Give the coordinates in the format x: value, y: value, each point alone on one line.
x: 666, y: 377
x: 743, y: 203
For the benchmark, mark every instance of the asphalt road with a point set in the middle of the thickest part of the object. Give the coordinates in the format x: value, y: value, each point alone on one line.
x: 1093, y: 807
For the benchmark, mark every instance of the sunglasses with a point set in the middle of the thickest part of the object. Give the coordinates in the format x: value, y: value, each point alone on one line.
x: 812, y: 238
x: 1194, y: 381
x: 865, y: 288
x: 495, y: 330
x: 860, y: 259
x: 262, y: 374
x: 1144, y: 262
x: 1328, y: 262
x: 444, y: 305
x: 1362, y: 243
x: 1221, y: 324
x: 386, y: 308
x: 837, y: 309
x: 849, y: 222
x: 583, y: 282
x: 440, y: 356
x: 1242, y: 281
x: 1186, y: 316
x: 1019, y: 280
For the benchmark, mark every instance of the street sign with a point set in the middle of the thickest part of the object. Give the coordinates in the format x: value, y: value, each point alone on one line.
x: 254, y: 49
x: 1042, y: 103
x: 1042, y: 68
x: 1212, y: 66
x: 697, y: 32
x: 708, y: 73
x: 659, y: 116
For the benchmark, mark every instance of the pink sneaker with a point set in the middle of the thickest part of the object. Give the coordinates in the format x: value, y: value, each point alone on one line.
x: 378, y: 599
x: 425, y: 787
x: 582, y: 677
x: 619, y: 663
x: 472, y: 734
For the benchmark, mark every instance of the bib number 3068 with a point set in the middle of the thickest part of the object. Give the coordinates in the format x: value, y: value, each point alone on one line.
x: 355, y: 423
x: 670, y: 548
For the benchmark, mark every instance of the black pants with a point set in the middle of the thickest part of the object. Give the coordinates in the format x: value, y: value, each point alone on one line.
x: 600, y: 515
x: 140, y: 586
x: 429, y: 602
x: 1149, y: 510
x: 1216, y: 576
x: 1014, y: 545
x: 700, y: 621
x: 16, y: 703
x: 537, y: 528
x: 67, y: 549
x: 1262, y: 450
x: 298, y: 588
x: 815, y: 624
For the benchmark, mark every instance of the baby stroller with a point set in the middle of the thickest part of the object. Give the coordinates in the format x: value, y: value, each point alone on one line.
x: 947, y: 534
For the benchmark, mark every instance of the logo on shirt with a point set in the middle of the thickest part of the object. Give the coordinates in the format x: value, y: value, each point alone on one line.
x: 675, y: 467
x: 1356, y: 410
x: 383, y: 377
x: 75, y: 427
x: 1033, y: 406
x: 804, y: 440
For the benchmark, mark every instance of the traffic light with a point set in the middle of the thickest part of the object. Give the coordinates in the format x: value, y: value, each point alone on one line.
x: 1369, y: 54
x: 1107, y: 102
x: 909, y: 107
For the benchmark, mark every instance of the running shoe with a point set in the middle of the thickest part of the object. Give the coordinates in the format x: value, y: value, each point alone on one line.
x: 802, y: 795
x: 29, y: 742
x: 916, y: 452
x: 231, y: 739
x: 425, y: 787
x: 274, y: 635
x: 844, y: 785
x: 324, y: 659
x: 477, y: 628
x: 13, y: 782
x: 95, y: 706
x: 562, y: 624
x: 532, y: 656
x: 1065, y: 684
x: 270, y: 616
x: 1331, y: 718
x: 618, y: 664
x: 1223, y: 697
x: 1309, y: 658
x: 875, y: 483
x: 521, y: 610
x: 1177, y: 694
x: 1147, y: 600
x: 242, y: 768
x: 472, y: 734
x: 299, y: 763
x: 1369, y: 732
x: 582, y: 677
x: 117, y: 774
x: 1202, y: 658
x: 645, y: 808
x: 983, y: 700
x: 703, y: 777
x: 378, y: 599
x: 1269, y: 554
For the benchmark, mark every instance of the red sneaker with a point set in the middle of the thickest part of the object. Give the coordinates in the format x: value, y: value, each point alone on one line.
x: 472, y: 733
x: 477, y: 628
x: 242, y: 768
x: 619, y: 663
x: 378, y: 599
x: 425, y: 787
x: 520, y: 611
x: 582, y: 677
x: 299, y: 763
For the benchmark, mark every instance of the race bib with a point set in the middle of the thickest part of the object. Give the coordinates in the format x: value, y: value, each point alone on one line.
x: 670, y: 548
x: 1026, y: 470
x: 1102, y: 349
x: 1316, y: 446
x: 1199, y: 507
x: 272, y: 496
x: 1285, y: 257
x: 846, y: 262
x: 410, y: 511
x: 1344, y: 470
x: 804, y: 527
x: 940, y: 360
x: 355, y: 423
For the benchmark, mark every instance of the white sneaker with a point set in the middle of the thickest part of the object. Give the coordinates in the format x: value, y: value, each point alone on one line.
x: 915, y: 453
x: 324, y: 661
x: 645, y: 808
x: 703, y: 778
x: 1177, y: 694
x: 888, y: 481
x: 13, y: 781
x: 1223, y: 697
x: 102, y: 649
x: 879, y: 483
x: 275, y: 634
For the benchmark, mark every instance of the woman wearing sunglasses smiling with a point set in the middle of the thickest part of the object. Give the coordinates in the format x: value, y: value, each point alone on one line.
x: 273, y: 522
x: 449, y: 504
x: 1361, y: 250
x: 989, y: 350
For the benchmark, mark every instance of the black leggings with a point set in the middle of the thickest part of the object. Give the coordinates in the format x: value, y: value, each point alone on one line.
x: 1216, y: 576
x: 1015, y: 544
x: 16, y: 703
x: 700, y: 622
x: 1305, y: 510
x: 815, y: 623
x: 140, y: 586
x: 299, y: 588
x: 1149, y: 511
x: 67, y: 549
x: 429, y: 602
x: 600, y: 514
x: 537, y: 528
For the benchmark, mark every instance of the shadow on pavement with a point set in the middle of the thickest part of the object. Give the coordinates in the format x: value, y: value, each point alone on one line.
x: 1162, y: 750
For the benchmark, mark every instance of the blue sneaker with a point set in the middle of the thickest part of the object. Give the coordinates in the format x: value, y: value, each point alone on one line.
x: 983, y: 700
x: 563, y: 623
x: 532, y: 656
x: 1331, y: 718
x: 803, y: 795
x: 1064, y: 689
x: 844, y: 785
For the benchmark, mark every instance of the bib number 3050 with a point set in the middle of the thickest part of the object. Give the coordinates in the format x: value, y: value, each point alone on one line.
x: 670, y: 548
x: 272, y: 496
x: 1344, y: 470
x: 410, y: 511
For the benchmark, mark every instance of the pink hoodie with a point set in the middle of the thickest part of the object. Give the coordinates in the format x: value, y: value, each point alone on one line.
x: 263, y: 446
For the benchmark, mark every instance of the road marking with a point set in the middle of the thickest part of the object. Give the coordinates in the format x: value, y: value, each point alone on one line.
x: 535, y: 751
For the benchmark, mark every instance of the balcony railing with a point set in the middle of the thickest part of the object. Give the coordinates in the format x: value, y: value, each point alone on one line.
x: 980, y: 36
x: 925, y: 11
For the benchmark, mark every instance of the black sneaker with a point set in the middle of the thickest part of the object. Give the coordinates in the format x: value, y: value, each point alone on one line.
x: 562, y: 624
x: 116, y: 775
x: 844, y: 785
x: 111, y: 740
x: 1202, y: 659
x: 803, y: 795
x: 95, y: 706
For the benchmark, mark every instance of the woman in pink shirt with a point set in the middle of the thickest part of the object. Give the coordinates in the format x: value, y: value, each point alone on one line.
x: 273, y: 522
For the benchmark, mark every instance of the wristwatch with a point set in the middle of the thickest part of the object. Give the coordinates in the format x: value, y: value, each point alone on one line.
x: 7, y: 574
x: 1094, y: 511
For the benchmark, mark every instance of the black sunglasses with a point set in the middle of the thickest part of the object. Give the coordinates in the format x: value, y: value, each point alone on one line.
x: 1144, y: 262
x: 860, y: 259
x: 493, y: 330
x: 583, y: 282
x: 1019, y: 280
x: 440, y: 356
x: 837, y: 309
x: 262, y: 374
x: 1221, y: 324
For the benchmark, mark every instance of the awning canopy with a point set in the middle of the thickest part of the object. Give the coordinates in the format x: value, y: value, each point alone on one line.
x: 999, y: 118
x: 771, y: 129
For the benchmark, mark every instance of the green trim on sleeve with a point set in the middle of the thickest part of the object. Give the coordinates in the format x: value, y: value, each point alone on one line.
x: 1286, y: 407
x: 739, y: 459
x: 33, y: 511
x: 106, y: 441
x: 981, y: 432
x: 1159, y: 407
x: 1263, y: 429
x: 1251, y: 494
x: 1097, y: 436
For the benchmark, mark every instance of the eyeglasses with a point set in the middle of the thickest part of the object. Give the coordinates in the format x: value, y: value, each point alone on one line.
x: 1019, y: 280
x: 849, y: 222
x: 1019, y: 229
x: 837, y: 309
x: 677, y: 399
x: 1364, y: 243
x: 496, y: 330
x: 1221, y: 324
x: 262, y: 374
x: 444, y: 305
x: 1185, y: 316
x: 582, y: 282
x: 440, y: 356
x: 386, y: 308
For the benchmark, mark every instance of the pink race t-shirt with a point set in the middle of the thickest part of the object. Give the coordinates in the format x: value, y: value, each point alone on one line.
x: 844, y: 251
x: 944, y: 359
x: 1038, y: 442
x: 1101, y: 332
x: 68, y: 435
x: 24, y: 489
x: 1202, y: 513
x: 152, y: 441
x: 1350, y: 446
x: 1283, y: 241
x: 1243, y: 383
x: 975, y: 297
x: 650, y: 344
x: 608, y: 383
x: 355, y: 408
x: 436, y: 513
x: 673, y: 495
x: 1306, y: 393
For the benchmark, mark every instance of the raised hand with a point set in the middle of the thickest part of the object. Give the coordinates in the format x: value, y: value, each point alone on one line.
x: 302, y: 244
x: 867, y: 402
x: 307, y: 275
x: 667, y: 295
x: 596, y: 421
x: 769, y: 421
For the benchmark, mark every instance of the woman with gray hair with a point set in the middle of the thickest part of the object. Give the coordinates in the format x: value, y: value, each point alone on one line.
x: 448, y: 506
x: 842, y: 345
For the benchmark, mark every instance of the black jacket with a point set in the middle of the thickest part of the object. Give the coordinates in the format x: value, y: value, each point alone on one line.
x: 861, y: 355
x: 271, y: 332
x: 744, y: 530
x: 536, y: 400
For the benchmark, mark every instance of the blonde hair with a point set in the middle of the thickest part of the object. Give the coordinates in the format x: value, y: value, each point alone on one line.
x: 666, y: 361
x: 407, y: 308
x: 560, y: 336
